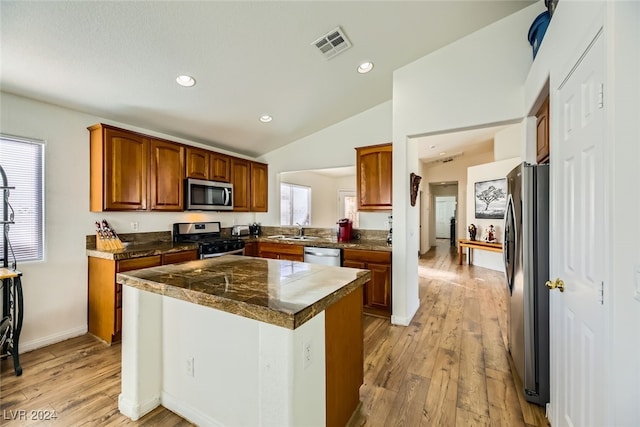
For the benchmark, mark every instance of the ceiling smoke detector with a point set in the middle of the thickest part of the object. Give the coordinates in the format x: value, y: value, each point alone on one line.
x: 332, y: 43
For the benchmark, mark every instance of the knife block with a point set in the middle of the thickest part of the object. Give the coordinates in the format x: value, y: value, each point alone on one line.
x: 105, y: 244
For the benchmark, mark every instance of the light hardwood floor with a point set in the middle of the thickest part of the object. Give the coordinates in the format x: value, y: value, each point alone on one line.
x: 448, y: 368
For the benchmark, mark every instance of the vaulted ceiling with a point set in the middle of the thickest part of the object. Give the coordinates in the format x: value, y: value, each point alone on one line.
x: 120, y: 60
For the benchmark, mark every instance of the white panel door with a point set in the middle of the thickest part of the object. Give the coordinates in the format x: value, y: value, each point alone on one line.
x: 445, y: 209
x: 578, y: 315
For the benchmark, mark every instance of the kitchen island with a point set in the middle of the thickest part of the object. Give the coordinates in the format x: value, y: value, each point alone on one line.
x: 243, y: 341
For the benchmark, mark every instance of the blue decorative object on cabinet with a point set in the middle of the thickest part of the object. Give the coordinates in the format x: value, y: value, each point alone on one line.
x: 538, y: 29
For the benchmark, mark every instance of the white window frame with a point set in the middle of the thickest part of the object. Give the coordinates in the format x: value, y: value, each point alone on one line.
x: 31, y: 206
x: 285, y: 186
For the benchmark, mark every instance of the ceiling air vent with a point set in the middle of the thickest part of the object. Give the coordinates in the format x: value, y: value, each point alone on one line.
x: 332, y: 43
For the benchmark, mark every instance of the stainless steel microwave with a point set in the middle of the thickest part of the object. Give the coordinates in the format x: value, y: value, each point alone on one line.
x: 202, y: 195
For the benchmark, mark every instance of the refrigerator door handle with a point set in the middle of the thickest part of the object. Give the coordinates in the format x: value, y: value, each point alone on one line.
x: 509, y: 245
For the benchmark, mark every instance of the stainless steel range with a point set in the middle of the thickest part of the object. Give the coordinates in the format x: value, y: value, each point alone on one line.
x: 207, y: 236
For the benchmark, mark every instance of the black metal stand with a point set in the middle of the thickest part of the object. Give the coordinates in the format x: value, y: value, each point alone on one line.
x: 12, y: 302
x: 12, y: 313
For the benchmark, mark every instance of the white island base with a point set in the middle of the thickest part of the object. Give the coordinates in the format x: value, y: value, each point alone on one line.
x: 220, y: 369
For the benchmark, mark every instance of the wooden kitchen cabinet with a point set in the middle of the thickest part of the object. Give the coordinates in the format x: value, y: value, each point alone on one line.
x: 105, y: 295
x: 542, y: 133
x: 197, y: 163
x: 119, y: 169
x: 220, y: 167
x: 133, y: 172
x: 374, y: 177
x: 167, y: 174
x: 259, y: 187
x: 251, y: 248
x: 281, y: 251
x: 240, y: 176
x: 377, y: 292
x: 205, y: 164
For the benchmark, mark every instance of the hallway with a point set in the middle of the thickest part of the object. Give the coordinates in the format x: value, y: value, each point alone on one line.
x: 450, y: 366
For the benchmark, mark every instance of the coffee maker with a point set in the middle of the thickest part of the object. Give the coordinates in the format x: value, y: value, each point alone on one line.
x: 254, y: 229
x: 344, y: 229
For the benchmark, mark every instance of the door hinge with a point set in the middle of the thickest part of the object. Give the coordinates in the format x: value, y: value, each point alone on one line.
x: 601, y: 293
x: 601, y: 96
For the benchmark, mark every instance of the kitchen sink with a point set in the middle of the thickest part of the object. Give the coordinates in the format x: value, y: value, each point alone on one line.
x: 294, y: 238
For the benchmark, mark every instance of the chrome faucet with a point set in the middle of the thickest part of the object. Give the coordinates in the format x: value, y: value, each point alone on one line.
x: 300, y: 229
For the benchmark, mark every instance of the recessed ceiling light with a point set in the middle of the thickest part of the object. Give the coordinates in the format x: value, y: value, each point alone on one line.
x: 442, y: 153
x: 186, y: 81
x: 265, y: 118
x: 365, y: 67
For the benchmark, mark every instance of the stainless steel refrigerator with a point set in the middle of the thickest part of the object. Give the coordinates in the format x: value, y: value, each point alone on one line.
x: 526, y: 257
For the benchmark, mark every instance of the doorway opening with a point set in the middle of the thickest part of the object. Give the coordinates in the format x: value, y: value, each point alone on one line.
x: 444, y: 208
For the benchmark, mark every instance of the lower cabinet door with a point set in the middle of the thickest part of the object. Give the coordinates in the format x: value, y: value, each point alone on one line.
x: 379, y: 291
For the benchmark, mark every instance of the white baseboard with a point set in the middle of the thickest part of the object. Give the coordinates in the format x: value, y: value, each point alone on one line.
x: 136, y: 411
x: 405, y: 320
x: 188, y: 412
x: 51, y: 339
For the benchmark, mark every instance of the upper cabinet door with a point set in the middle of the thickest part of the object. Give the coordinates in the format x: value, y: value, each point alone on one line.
x: 374, y: 177
x: 119, y: 170
x: 167, y: 172
x: 240, y: 174
x: 542, y: 133
x: 259, y: 187
x: 220, y: 167
x: 197, y: 163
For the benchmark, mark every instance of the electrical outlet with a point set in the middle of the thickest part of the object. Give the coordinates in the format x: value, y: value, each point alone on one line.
x: 306, y: 354
x: 134, y: 225
x: 189, y: 366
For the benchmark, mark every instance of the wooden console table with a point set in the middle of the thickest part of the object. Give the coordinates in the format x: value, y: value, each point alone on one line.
x: 476, y: 244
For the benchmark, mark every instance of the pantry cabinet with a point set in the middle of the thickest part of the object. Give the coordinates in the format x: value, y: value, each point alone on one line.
x: 377, y: 292
x: 374, y: 177
x: 105, y: 295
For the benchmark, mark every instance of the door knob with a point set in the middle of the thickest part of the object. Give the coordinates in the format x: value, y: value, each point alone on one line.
x: 559, y: 284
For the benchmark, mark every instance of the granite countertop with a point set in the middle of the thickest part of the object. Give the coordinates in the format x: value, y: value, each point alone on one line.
x: 137, y: 250
x: 326, y: 242
x: 282, y: 293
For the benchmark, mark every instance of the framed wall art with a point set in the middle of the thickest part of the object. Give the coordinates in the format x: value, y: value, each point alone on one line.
x: 491, y: 198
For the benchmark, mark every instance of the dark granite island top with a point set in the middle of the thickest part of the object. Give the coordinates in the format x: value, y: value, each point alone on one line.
x: 281, y: 293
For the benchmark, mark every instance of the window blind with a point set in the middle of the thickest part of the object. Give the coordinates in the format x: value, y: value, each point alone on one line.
x: 22, y: 161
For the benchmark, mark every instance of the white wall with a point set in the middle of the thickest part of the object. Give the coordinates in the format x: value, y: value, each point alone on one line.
x: 624, y: 257
x: 508, y: 143
x: 469, y: 83
x: 324, y: 195
x: 486, y: 172
x: 55, y: 289
x: 454, y: 171
x: 329, y: 148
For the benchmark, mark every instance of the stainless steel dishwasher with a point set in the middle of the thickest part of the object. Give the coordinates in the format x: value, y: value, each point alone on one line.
x: 324, y: 256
